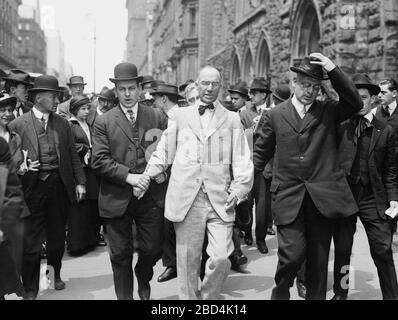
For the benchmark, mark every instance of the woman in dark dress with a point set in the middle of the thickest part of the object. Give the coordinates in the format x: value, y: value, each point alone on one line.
x: 83, y: 220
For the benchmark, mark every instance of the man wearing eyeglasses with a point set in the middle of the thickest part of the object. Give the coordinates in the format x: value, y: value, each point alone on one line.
x: 308, y: 190
x: 212, y: 171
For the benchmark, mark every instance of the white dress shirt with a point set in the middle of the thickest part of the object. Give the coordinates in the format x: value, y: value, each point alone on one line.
x: 171, y: 113
x: 300, y: 108
x: 40, y: 115
x: 135, y: 111
x: 261, y: 108
x: 392, y: 106
x: 18, y: 110
x: 206, y: 118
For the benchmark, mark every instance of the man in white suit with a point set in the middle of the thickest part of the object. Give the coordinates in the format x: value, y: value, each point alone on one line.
x: 211, y: 172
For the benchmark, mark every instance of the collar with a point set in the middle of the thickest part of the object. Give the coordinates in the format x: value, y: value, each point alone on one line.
x: 261, y: 107
x: 298, y: 105
x: 99, y: 112
x: 369, y: 116
x: 172, y: 111
x: 392, y: 106
x: 37, y: 113
x: 135, y: 110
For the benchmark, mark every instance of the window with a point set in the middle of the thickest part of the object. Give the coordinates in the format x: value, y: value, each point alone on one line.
x: 235, y: 75
x: 263, y: 59
x: 248, y: 70
x: 192, y: 22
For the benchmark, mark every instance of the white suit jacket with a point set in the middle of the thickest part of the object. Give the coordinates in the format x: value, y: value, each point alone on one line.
x: 221, y: 161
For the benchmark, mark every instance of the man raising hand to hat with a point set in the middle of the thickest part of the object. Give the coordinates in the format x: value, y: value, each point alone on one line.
x: 308, y: 191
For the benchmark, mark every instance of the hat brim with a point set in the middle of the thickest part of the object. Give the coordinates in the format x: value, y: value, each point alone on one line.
x: 116, y: 80
x: 43, y: 89
x: 308, y: 74
x: 241, y: 93
x: 9, y: 101
x: 18, y: 81
x: 260, y: 89
x: 374, y: 90
x: 166, y: 93
x: 75, y: 84
x: 105, y: 98
x: 279, y: 97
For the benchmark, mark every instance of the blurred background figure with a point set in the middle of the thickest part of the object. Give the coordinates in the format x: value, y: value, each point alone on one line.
x: 239, y: 96
x: 105, y: 101
x: 191, y: 94
x: 182, y: 92
x: 146, y: 83
x: 76, y: 85
x: 280, y: 94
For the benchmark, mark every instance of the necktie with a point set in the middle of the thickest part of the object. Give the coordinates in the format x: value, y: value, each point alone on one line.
x: 303, y: 112
x: 360, y: 124
x: 43, y: 121
x: 203, y: 108
x: 132, y: 118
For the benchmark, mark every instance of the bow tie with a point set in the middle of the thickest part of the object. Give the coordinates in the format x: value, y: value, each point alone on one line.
x: 203, y: 108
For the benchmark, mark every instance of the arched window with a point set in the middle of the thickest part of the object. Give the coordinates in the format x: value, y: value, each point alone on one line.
x: 235, y: 75
x: 247, y: 66
x: 306, y: 30
x: 263, y: 59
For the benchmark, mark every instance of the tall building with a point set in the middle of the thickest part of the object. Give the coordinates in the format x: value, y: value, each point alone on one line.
x: 31, y: 40
x: 56, y: 56
x: 245, y: 39
x: 9, y: 33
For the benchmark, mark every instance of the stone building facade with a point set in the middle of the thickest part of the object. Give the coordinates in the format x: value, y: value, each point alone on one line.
x: 31, y: 41
x: 252, y: 38
x: 9, y: 33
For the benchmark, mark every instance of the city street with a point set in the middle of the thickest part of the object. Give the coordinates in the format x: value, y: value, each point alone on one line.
x: 90, y: 277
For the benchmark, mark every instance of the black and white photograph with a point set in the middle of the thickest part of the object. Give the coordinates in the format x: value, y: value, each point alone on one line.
x: 215, y: 152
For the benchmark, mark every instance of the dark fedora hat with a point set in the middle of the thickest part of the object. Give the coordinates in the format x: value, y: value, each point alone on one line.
x: 167, y: 89
x: 310, y: 70
x: 75, y: 80
x: 125, y: 72
x: 183, y: 86
x: 45, y: 83
x: 18, y: 76
x: 282, y: 92
x: 107, y: 94
x: 77, y: 102
x: 154, y: 85
x: 362, y: 81
x: 7, y: 100
x: 147, y: 79
x: 240, y: 88
x: 261, y: 84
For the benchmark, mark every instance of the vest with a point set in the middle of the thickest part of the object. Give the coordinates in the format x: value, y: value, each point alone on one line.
x: 140, y: 163
x: 360, y: 167
x: 48, y: 157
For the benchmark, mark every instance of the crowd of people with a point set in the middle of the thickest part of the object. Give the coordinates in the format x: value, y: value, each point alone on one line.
x: 176, y: 173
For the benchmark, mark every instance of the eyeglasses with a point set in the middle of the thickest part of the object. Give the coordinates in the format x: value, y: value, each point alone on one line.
x: 214, y: 84
x: 308, y: 85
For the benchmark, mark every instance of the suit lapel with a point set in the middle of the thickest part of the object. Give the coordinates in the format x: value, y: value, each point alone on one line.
x: 311, y: 116
x: 219, y: 117
x: 375, y: 137
x: 142, y: 119
x: 123, y: 123
x: 194, y: 123
x: 53, y: 123
x: 288, y: 113
x: 30, y: 132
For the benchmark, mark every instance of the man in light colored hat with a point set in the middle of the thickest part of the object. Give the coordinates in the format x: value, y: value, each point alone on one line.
x: 208, y: 178
x: 122, y: 142
x: 76, y: 85
x: 59, y: 181
x: 16, y: 85
x: 308, y: 190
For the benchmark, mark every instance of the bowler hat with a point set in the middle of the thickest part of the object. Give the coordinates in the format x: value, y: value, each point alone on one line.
x: 240, y: 88
x: 309, y: 69
x: 167, y: 89
x: 77, y: 102
x: 18, y: 76
x: 76, y: 80
x: 260, y: 84
x: 147, y: 79
x: 6, y: 99
x: 45, y: 83
x: 125, y: 72
x: 282, y: 92
x: 107, y: 94
x: 362, y: 81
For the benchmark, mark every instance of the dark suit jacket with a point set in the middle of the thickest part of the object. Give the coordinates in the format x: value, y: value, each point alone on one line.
x: 83, y: 147
x: 306, y: 154
x: 382, y: 166
x: 70, y: 168
x: 115, y: 156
